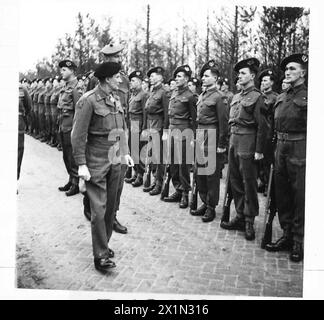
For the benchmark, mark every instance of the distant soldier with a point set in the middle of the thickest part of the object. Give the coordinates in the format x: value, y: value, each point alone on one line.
x: 33, y: 88
x: 290, y: 159
x: 48, y: 117
x: 136, y: 103
x: 267, y: 79
x: 53, y: 101
x: 227, y: 94
x: 248, y: 134
x: 69, y: 96
x: 24, y: 108
x: 146, y: 85
x: 170, y: 86
x: 41, y: 110
x: 98, y: 114
x: 211, y: 116
x: 156, y: 109
x: 194, y: 86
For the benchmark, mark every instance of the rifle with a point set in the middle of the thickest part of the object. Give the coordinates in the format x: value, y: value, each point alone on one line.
x: 270, y: 214
x: 147, y: 172
x: 194, y: 190
x: 166, y: 177
x: 228, y: 197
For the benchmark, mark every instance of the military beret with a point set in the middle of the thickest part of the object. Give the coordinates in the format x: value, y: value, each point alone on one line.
x: 251, y: 63
x: 136, y: 74
x: 158, y: 70
x: 185, y: 69
x: 300, y: 58
x: 68, y: 64
x: 195, y: 81
x: 266, y: 72
x: 210, y: 65
x: 107, y: 70
x: 111, y: 49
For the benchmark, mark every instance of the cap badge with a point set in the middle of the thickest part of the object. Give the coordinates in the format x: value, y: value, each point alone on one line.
x: 304, y: 58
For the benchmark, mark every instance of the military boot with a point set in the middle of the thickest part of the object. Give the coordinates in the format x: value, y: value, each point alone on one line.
x: 249, y: 231
x: 72, y: 191
x: 130, y: 180
x: 138, y: 182
x: 237, y: 223
x: 209, y: 215
x: 200, y: 211
x: 184, y: 201
x: 66, y: 187
x: 148, y: 189
x: 175, y: 197
x: 297, y: 254
x: 156, y: 190
x: 104, y: 264
x: 285, y: 243
x: 117, y: 227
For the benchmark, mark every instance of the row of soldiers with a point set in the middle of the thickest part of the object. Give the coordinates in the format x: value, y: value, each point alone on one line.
x: 246, y: 124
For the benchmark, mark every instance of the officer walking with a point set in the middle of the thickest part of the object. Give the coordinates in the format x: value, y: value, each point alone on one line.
x: 182, y: 116
x: 212, y: 116
x: 98, y: 114
x: 68, y: 98
x: 156, y: 110
x: 248, y: 133
x: 290, y: 158
x: 136, y: 103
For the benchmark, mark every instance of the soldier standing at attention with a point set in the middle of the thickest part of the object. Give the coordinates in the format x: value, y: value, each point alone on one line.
x: 248, y: 133
x: 182, y: 115
x: 48, y: 118
x: 290, y: 120
x: 194, y: 86
x: 41, y: 111
x: 24, y: 108
x: 68, y: 98
x: 136, y: 103
x: 211, y: 115
x: 156, y: 109
x: 227, y: 94
x: 54, y: 111
x: 98, y: 114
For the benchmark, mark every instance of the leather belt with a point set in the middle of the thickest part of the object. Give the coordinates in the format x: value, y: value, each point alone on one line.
x: 242, y: 130
x: 291, y: 136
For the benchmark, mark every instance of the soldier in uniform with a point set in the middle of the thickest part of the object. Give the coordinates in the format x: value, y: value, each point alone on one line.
x: 182, y: 116
x: 31, y: 117
x: 248, y: 133
x: 156, y: 110
x: 98, y: 114
x: 194, y: 86
x: 40, y: 87
x: 41, y: 111
x: 212, y: 115
x: 24, y: 108
x: 146, y: 85
x: 69, y: 96
x: 136, y: 120
x: 48, y: 118
x: 266, y: 79
x: 290, y: 120
x: 53, y: 101
x: 227, y: 94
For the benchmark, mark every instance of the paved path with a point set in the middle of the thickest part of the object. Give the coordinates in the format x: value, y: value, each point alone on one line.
x: 166, y: 250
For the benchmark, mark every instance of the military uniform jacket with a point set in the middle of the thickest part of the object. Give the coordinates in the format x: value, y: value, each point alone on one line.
x: 182, y: 109
x: 156, y: 108
x: 41, y: 100
x: 54, y: 98
x: 248, y: 116
x: 211, y: 112
x: 35, y: 100
x: 97, y: 114
x: 137, y: 108
x: 23, y: 107
x: 69, y: 96
x: 291, y: 110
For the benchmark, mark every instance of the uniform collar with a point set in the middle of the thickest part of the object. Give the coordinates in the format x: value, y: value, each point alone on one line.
x: 159, y: 86
x: 181, y: 90
x: 296, y: 88
x: 268, y: 92
x: 101, y: 93
x: 247, y: 90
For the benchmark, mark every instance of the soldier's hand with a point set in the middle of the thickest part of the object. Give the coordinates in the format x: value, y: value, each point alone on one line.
x: 258, y: 156
x: 84, y: 173
x: 129, y: 160
x: 221, y: 150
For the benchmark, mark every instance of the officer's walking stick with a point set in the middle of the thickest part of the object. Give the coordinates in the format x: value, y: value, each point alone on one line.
x: 268, y: 214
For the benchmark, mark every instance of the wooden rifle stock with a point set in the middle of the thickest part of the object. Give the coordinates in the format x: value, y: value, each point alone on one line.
x: 268, y: 215
x: 147, y: 172
x: 227, y: 199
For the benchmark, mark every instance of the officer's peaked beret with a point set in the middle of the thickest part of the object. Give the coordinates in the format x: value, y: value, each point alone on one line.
x: 158, y: 70
x: 68, y: 64
x: 251, y: 63
x: 136, y: 74
x: 185, y: 69
x: 296, y: 57
x: 210, y: 65
x: 107, y: 70
x: 111, y: 49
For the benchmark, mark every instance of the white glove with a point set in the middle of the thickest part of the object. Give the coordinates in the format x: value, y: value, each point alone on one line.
x: 258, y: 156
x: 84, y: 173
x: 221, y: 150
x: 129, y: 160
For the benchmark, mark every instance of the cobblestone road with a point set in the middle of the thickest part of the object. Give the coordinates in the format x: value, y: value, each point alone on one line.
x: 165, y: 251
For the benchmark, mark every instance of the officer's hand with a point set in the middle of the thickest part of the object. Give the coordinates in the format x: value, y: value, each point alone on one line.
x: 129, y: 160
x: 221, y: 150
x: 258, y: 156
x: 84, y: 173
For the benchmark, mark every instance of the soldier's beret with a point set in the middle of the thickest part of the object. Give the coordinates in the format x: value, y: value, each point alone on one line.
x: 266, y: 72
x: 136, y: 74
x: 68, y: 64
x: 210, y: 65
x: 169, y: 81
x: 251, y: 63
x: 111, y: 49
x: 185, y: 69
x: 300, y: 58
x: 195, y: 81
x: 158, y: 70
x: 107, y: 70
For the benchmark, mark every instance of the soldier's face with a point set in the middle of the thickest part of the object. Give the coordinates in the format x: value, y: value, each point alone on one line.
x: 114, y: 58
x: 180, y: 80
x: 192, y: 87
x: 208, y: 79
x: 155, y: 78
x: 224, y: 87
x: 135, y: 83
x: 173, y: 85
x: 66, y: 73
x: 266, y: 83
x: 145, y: 86
x: 245, y: 76
x: 114, y: 81
x: 294, y: 72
